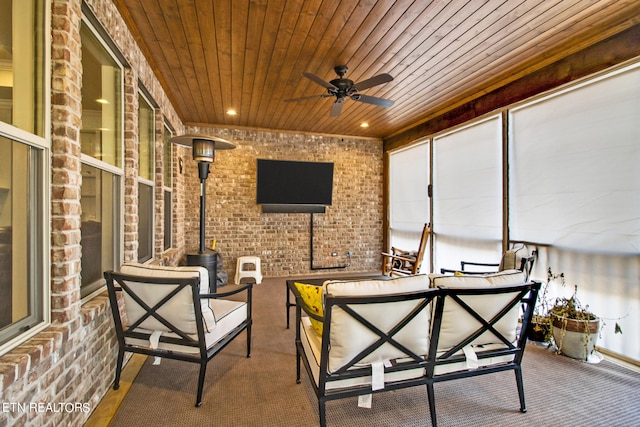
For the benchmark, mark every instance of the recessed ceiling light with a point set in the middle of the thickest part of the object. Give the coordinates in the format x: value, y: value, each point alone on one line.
x: 102, y: 101
x: 364, y: 125
x: 231, y: 112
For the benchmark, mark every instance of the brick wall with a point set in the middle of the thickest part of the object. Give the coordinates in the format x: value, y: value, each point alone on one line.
x: 70, y: 364
x: 282, y: 240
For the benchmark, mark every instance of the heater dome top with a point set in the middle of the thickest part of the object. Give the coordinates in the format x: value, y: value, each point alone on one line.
x: 218, y: 143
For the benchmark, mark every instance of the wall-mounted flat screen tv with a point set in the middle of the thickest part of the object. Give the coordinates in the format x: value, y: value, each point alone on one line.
x: 294, y: 186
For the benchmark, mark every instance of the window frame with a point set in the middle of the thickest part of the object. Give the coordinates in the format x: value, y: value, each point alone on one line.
x: 39, y: 248
x: 39, y: 139
x: 118, y: 171
x: 142, y: 96
x: 167, y: 188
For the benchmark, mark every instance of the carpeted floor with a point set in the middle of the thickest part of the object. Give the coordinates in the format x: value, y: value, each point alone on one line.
x: 261, y: 390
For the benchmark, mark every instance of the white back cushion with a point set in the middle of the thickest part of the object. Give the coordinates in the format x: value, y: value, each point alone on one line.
x: 179, y: 311
x: 457, y: 323
x: 349, y: 337
x: 147, y: 270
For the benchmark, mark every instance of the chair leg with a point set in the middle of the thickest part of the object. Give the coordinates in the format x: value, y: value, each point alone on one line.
x: 249, y: 340
x: 520, y: 384
x: 297, y: 366
x: 203, y: 371
x: 322, y: 412
x: 432, y: 404
x: 116, y: 382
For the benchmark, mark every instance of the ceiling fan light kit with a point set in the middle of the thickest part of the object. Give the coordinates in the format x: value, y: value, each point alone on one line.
x: 342, y: 88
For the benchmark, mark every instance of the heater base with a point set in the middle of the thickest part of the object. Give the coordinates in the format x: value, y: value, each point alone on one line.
x: 208, y: 260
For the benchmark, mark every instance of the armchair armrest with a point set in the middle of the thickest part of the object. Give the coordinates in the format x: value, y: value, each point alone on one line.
x: 478, y: 264
x: 310, y: 313
x: 240, y: 288
x: 399, y: 257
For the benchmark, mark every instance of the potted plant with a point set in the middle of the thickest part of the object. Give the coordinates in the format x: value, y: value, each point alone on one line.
x: 565, y: 322
x: 575, y: 328
x: 540, y: 329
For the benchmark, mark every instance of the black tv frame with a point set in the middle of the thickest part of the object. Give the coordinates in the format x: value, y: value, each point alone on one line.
x: 296, y: 174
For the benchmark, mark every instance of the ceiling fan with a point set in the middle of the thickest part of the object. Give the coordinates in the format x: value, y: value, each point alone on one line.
x: 343, y: 88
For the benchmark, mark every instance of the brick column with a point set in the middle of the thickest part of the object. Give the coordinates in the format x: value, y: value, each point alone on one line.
x: 158, y: 197
x: 131, y: 160
x: 66, y: 106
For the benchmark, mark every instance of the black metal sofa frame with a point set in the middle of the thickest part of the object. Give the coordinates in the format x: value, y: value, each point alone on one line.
x: 432, y: 366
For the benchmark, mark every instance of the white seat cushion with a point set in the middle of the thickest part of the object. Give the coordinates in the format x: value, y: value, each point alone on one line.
x: 229, y: 314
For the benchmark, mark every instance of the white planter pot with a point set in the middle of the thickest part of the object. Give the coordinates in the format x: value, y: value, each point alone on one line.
x: 575, y: 339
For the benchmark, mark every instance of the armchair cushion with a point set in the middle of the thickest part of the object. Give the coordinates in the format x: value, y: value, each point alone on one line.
x: 457, y: 323
x: 179, y: 311
x: 149, y: 270
x: 349, y: 337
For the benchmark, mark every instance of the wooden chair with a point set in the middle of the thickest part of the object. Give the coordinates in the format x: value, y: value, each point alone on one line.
x: 401, y: 262
x: 168, y: 312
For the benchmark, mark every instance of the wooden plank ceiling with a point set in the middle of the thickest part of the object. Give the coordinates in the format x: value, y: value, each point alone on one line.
x: 215, y: 55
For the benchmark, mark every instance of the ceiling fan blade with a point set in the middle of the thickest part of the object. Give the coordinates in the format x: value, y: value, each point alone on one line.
x: 336, y: 109
x: 307, y: 98
x: 319, y: 81
x: 373, y: 100
x: 373, y: 81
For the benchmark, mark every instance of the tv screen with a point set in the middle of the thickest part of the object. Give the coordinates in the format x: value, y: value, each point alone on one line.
x: 285, y: 182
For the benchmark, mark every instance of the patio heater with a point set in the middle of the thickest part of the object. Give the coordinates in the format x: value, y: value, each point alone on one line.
x: 204, y: 148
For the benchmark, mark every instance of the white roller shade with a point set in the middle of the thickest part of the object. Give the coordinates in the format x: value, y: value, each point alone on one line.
x: 467, y: 194
x: 408, y: 196
x: 408, y: 186
x: 467, y: 182
x: 575, y: 167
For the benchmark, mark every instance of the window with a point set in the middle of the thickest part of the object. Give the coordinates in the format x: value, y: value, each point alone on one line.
x: 24, y: 171
x: 21, y: 65
x: 21, y: 237
x: 101, y: 144
x: 146, y: 168
x: 167, y: 162
x: 101, y: 132
x: 574, y: 186
x: 467, y: 194
x: 408, y: 196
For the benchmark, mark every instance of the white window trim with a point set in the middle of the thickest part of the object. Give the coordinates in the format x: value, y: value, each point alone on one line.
x: 43, y: 143
x: 92, y: 161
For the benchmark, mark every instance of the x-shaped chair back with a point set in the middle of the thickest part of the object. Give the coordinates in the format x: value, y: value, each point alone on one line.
x: 366, y: 329
x: 481, y: 323
x: 169, y: 305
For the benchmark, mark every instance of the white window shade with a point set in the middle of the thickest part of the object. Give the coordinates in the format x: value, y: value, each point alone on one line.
x: 467, y: 182
x: 408, y: 196
x: 574, y: 174
x: 467, y: 194
x: 408, y: 188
